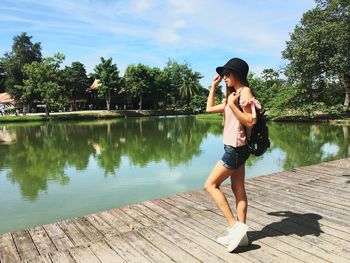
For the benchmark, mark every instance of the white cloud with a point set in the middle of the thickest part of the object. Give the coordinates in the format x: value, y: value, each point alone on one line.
x: 143, y: 5
x: 207, y: 22
x: 156, y: 29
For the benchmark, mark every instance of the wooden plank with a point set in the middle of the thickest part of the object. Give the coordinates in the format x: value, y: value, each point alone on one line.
x: 122, y: 216
x: 166, y: 246
x: 270, y: 251
x: 324, y: 209
x: 58, y: 237
x: 115, y: 222
x: 292, y: 239
x: 271, y: 238
x: 8, y: 250
x: 189, y: 229
x: 312, y: 193
x: 104, y: 253
x: 289, y: 178
x: 74, y: 233
x: 188, y: 244
x: 290, y: 228
x: 61, y: 257
x: 323, y: 171
x: 145, y: 247
x: 41, y: 240
x: 266, y: 200
x: 128, y: 252
x: 208, y: 244
x: 160, y: 210
x: 175, y: 210
x: 177, y: 204
x: 38, y: 259
x: 344, y: 163
x: 25, y: 245
x: 150, y: 213
x: 83, y: 255
x: 88, y: 230
x: 135, y: 214
x: 101, y: 225
x: 340, y: 242
x: 326, y: 227
x: 300, y: 238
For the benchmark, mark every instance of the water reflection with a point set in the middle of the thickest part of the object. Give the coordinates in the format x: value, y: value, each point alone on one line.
x: 305, y: 143
x: 95, y: 166
x: 42, y: 152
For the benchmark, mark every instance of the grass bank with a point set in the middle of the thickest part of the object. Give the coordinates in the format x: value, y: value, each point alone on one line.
x: 334, y: 119
x: 89, y: 115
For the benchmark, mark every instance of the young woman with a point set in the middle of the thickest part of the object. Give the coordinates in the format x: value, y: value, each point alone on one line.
x: 238, y: 112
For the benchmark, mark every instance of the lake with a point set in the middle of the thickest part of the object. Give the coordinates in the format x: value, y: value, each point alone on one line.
x: 59, y: 170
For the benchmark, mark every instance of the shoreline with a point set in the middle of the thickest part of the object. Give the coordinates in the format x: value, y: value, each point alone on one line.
x: 345, y: 119
x: 104, y: 114
x: 89, y: 115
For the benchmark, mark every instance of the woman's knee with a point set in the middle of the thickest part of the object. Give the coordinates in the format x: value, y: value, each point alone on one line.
x: 209, y: 186
x: 241, y: 196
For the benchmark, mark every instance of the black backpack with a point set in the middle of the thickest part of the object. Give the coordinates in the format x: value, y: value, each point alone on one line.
x: 259, y: 137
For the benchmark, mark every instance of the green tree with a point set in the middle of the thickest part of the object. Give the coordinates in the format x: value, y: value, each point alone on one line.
x: 182, y: 81
x: 138, y: 81
x: 190, y: 84
x: 319, y: 48
x: 24, y: 51
x: 43, y: 81
x: 270, y: 76
x: 2, y: 79
x: 75, y: 81
x: 173, y: 71
x: 158, y: 87
x: 110, y: 82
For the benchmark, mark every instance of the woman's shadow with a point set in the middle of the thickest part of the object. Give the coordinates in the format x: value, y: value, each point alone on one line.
x: 292, y: 224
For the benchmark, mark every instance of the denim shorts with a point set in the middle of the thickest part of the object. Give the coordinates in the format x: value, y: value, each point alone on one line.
x: 234, y: 156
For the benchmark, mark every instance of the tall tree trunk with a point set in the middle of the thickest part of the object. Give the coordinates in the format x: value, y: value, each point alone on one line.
x: 74, y: 104
x: 140, y: 102
x: 47, y: 113
x: 346, y: 140
x: 345, y: 81
x: 108, y: 100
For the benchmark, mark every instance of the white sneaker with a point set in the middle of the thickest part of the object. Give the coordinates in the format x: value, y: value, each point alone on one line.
x: 244, y: 241
x: 237, y: 233
x: 224, y: 240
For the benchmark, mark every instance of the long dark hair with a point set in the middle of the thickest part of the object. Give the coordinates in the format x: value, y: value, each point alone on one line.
x: 228, y: 91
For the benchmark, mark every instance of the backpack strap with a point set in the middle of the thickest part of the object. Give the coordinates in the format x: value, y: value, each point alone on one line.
x: 239, y: 106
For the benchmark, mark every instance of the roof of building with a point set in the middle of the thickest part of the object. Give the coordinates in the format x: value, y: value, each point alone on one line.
x: 95, y: 85
x: 6, y: 98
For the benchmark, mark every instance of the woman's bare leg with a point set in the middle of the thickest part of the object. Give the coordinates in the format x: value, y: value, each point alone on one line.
x: 216, y: 177
x: 238, y: 188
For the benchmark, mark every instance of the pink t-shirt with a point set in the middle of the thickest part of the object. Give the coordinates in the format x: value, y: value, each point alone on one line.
x: 234, y: 133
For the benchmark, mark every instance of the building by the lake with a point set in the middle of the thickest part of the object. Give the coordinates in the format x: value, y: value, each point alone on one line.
x: 89, y: 99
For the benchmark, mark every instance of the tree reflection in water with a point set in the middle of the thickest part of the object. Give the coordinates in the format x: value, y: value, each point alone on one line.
x: 34, y: 154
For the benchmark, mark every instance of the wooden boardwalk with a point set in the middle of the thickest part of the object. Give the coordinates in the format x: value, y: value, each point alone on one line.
x: 300, y: 215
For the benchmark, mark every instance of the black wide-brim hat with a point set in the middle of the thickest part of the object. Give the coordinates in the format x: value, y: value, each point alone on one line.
x: 237, y: 65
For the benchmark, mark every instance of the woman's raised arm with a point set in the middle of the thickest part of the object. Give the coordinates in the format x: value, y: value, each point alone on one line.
x: 211, y: 98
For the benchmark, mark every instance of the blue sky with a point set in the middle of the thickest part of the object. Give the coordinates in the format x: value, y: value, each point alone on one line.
x: 204, y: 33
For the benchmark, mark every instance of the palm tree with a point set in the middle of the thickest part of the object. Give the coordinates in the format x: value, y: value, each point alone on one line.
x: 190, y: 86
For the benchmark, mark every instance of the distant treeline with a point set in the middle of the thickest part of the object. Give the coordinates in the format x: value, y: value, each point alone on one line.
x: 317, y: 77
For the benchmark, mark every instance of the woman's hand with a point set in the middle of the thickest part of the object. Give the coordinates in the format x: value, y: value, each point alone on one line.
x: 216, y: 81
x: 232, y: 98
